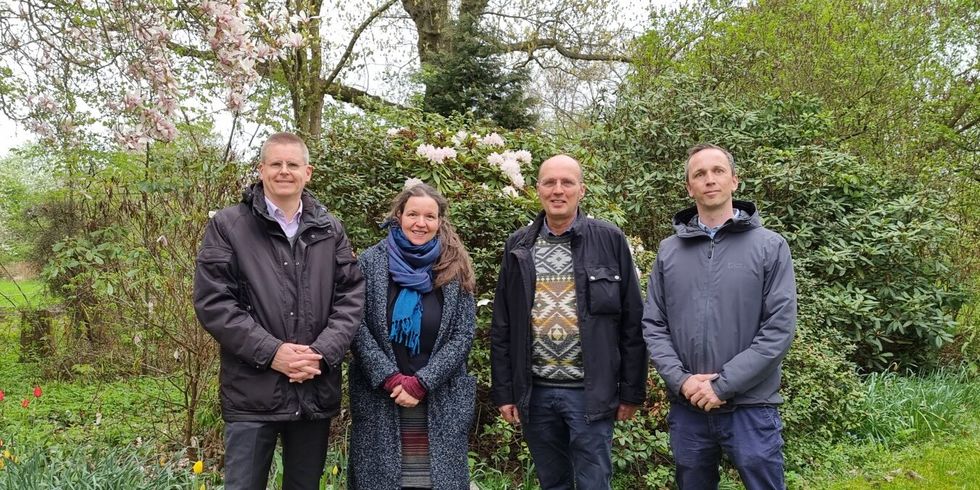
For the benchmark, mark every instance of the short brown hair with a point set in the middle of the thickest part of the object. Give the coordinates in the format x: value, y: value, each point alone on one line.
x: 706, y: 146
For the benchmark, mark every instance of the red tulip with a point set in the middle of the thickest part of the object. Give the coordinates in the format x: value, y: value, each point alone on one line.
x: 25, y: 402
x: 2, y: 396
x: 37, y: 391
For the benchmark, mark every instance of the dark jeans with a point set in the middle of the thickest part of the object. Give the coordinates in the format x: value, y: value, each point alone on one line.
x: 249, y: 447
x: 563, y: 444
x: 749, y: 436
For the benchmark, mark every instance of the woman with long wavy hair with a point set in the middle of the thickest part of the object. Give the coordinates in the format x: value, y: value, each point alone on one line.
x: 412, y: 400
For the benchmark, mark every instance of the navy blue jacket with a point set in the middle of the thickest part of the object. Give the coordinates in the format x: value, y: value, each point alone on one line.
x: 609, y: 308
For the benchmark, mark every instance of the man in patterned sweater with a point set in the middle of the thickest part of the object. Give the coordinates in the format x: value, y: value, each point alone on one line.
x: 567, y: 350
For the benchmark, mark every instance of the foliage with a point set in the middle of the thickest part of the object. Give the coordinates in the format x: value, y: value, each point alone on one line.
x: 126, y: 272
x: 899, y: 410
x: 91, y: 467
x: 872, y: 251
x: 470, y: 79
x: 900, y: 77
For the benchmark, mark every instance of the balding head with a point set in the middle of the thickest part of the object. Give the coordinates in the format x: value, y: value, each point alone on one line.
x: 562, y: 161
x: 560, y: 188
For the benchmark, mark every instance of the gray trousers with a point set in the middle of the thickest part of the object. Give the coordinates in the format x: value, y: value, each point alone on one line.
x: 249, y: 447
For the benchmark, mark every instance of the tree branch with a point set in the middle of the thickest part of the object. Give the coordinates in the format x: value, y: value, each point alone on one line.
x: 531, y: 45
x: 354, y: 37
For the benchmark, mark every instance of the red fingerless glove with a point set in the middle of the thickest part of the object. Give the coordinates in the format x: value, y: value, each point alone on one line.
x: 414, y: 387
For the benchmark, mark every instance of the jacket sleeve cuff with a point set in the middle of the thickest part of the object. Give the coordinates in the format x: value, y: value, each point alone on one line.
x: 722, y: 388
x: 265, y: 352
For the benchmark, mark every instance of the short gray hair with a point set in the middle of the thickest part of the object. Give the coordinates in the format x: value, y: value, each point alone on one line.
x: 706, y: 146
x: 284, y: 139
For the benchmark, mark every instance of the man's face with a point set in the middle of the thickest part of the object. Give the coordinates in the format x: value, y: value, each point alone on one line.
x: 283, y: 172
x: 560, y: 188
x: 710, y: 181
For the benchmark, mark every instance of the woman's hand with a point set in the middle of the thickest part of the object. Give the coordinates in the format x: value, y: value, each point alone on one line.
x: 402, y: 398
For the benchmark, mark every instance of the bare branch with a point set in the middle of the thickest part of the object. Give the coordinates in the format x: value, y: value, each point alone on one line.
x: 532, y: 45
x: 354, y: 37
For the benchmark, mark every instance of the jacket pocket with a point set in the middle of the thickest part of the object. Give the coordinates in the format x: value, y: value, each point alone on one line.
x: 246, y: 388
x: 603, y: 292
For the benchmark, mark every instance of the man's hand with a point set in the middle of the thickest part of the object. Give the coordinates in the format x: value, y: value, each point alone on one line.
x: 298, y: 362
x: 402, y: 398
x: 625, y: 412
x: 698, y: 390
x: 509, y: 413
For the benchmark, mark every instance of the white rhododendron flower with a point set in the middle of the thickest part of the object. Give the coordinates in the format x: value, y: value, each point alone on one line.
x: 492, y: 139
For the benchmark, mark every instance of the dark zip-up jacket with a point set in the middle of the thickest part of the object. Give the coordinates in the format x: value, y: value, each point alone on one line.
x: 253, y: 291
x: 725, y: 305
x: 609, y: 309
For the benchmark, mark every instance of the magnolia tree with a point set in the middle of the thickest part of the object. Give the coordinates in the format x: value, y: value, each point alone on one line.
x: 140, y: 71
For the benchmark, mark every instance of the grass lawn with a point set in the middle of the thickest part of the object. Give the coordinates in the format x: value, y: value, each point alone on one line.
x: 953, y: 464
x: 11, y: 296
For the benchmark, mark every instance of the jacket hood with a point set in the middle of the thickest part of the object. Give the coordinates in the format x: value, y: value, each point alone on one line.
x: 686, y: 221
x: 313, y: 211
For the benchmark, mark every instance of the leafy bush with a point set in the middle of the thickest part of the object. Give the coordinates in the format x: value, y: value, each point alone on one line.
x: 871, y: 251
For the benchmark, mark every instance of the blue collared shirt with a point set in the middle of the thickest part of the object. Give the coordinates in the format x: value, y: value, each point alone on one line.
x: 711, y: 231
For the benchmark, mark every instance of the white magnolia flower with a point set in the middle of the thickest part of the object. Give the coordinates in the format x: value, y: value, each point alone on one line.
x: 411, y: 182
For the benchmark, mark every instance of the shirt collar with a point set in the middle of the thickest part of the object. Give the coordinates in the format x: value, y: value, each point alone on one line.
x: 279, y: 213
x: 712, y: 230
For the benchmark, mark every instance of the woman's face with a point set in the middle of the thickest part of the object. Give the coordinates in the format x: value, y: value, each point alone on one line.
x: 420, y: 219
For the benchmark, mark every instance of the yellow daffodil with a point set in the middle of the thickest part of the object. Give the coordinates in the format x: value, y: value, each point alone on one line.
x: 203, y: 487
x: 1, y: 464
x: 198, y: 467
x: 334, y: 471
x: 6, y: 453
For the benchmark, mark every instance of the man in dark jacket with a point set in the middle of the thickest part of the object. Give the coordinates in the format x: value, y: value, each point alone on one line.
x: 278, y: 288
x: 567, y: 352
x: 719, y: 318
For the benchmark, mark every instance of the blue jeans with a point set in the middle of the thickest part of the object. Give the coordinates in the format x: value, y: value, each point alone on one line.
x: 749, y: 436
x: 568, y: 451
x: 249, y: 447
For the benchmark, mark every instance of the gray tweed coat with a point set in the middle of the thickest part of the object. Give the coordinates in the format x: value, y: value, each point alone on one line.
x: 374, y: 458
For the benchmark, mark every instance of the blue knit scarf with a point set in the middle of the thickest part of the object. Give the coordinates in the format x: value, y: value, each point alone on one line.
x: 411, y: 268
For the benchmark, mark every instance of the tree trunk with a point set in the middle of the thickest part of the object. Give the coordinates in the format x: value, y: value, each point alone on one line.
x: 35, y: 334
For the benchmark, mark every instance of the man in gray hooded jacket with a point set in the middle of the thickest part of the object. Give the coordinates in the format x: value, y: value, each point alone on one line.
x: 719, y: 318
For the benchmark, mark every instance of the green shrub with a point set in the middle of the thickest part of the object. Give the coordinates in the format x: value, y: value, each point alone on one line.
x: 92, y: 468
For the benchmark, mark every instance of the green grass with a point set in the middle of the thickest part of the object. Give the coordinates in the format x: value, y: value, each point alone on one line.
x: 912, y: 408
x: 12, y: 294
x: 953, y: 464
x: 112, y: 412
x: 919, y: 432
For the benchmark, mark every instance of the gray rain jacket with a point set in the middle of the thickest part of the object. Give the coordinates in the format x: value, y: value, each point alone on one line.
x: 725, y: 305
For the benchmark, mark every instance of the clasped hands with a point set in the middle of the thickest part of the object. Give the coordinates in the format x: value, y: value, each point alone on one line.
x: 698, y: 390
x: 298, y: 362
x: 625, y: 411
